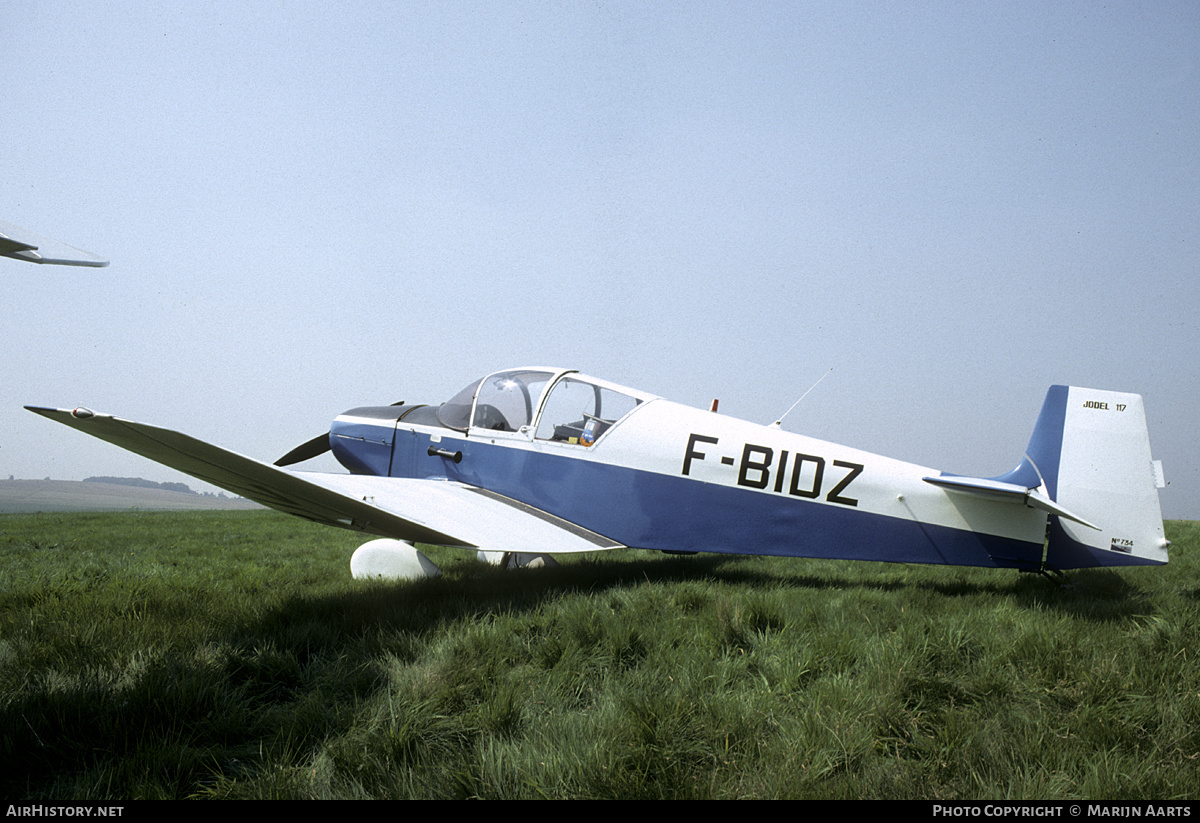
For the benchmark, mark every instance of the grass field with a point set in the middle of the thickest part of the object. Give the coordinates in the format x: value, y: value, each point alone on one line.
x: 230, y: 655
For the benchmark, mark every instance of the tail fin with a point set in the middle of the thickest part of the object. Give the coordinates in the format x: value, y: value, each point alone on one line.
x: 1090, y: 451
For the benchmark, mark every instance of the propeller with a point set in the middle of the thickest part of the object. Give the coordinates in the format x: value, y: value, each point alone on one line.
x: 311, y: 448
x: 306, y: 451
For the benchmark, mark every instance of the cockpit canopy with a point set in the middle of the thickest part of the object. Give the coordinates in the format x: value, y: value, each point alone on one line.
x: 507, y: 401
x: 568, y: 406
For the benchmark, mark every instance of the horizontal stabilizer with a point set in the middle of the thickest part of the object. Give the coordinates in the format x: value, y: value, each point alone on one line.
x: 1008, y: 492
x: 21, y: 244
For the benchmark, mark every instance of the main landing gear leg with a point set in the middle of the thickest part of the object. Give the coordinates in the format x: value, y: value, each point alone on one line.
x: 517, y: 560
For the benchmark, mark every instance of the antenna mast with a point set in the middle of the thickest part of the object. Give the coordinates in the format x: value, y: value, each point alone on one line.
x: 778, y: 423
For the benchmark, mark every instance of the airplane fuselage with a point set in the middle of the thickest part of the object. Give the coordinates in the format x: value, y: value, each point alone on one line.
x: 674, y: 478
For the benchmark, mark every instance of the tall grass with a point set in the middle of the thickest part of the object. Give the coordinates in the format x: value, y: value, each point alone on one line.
x: 230, y: 655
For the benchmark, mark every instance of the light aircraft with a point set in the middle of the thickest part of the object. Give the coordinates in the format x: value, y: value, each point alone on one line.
x: 525, y: 463
x: 21, y: 244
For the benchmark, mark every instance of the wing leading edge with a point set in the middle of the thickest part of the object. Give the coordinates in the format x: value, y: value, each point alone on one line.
x: 424, y: 511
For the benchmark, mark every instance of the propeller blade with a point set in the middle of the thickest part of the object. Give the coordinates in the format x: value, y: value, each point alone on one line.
x: 306, y: 451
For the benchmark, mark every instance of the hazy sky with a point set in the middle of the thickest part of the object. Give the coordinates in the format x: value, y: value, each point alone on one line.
x: 314, y: 206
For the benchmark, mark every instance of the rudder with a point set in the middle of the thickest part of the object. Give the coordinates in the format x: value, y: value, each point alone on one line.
x: 1091, y: 451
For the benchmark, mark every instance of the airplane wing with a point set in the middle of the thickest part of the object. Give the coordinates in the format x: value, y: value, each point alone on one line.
x: 438, y: 512
x: 21, y: 244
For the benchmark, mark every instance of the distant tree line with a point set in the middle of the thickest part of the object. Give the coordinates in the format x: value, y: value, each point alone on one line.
x: 139, y: 482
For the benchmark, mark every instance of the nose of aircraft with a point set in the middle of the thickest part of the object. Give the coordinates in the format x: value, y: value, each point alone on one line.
x: 321, y: 443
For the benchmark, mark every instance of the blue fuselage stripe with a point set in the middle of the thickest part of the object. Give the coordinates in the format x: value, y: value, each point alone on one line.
x: 649, y: 510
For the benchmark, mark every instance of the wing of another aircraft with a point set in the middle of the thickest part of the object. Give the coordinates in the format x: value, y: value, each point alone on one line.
x: 438, y: 512
x: 21, y: 244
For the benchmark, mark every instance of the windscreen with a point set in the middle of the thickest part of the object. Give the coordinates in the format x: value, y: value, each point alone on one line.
x: 455, y: 413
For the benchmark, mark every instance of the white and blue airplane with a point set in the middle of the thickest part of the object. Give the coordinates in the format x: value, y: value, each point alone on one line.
x: 22, y: 244
x: 526, y: 463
